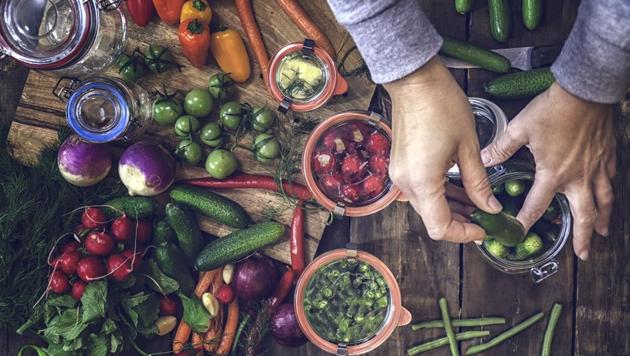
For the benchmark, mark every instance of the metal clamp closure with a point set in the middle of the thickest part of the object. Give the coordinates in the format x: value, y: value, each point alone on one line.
x: 375, y: 117
x: 108, y: 5
x: 545, y: 271
x: 3, y: 53
x: 285, y: 105
x: 65, y: 87
x: 339, y: 210
x: 342, y: 350
x: 352, y: 250
x: 309, y: 44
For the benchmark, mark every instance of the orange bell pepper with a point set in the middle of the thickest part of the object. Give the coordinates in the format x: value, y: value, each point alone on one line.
x: 169, y: 10
x: 229, y: 51
x: 196, y: 9
x: 194, y: 37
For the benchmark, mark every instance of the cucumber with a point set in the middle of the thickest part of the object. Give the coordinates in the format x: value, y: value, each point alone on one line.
x: 500, y: 19
x: 133, y: 207
x: 174, y: 263
x: 186, y: 228
x: 514, y: 188
x: 549, y: 231
x: 531, y: 14
x: 163, y: 233
x: 495, y: 248
x: 531, y: 246
x: 239, y: 244
x: 511, y: 205
x: 501, y: 227
x: 464, y: 6
x: 212, y: 205
x: 520, y: 85
x: 475, y: 55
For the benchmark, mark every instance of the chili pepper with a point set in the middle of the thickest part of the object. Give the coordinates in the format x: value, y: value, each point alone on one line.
x: 194, y: 36
x: 196, y: 9
x: 282, y: 290
x: 255, y: 181
x: 296, y: 238
x: 169, y: 10
x: 229, y: 51
x: 141, y: 11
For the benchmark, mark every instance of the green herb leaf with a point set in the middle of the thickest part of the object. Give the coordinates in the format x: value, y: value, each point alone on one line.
x: 116, y: 342
x: 195, y: 314
x: 167, y: 284
x: 98, y: 345
x: 94, y: 301
x: 109, y: 327
x: 65, y: 301
x: 148, y: 311
x: 67, y: 325
x: 57, y: 350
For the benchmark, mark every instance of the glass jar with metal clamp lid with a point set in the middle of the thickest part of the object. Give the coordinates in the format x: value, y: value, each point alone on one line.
x: 303, y: 77
x: 103, y: 109
x: 75, y: 38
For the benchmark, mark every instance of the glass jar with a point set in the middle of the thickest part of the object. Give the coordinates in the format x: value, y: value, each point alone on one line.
x: 303, y: 77
x: 76, y: 38
x: 490, y: 123
x: 396, y: 315
x: 545, y: 264
x: 103, y: 109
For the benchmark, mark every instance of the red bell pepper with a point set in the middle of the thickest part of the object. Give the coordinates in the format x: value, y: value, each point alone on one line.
x: 141, y: 11
x: 169, y: 10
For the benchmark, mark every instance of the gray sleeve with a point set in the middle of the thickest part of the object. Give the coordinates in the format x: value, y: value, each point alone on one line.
x: 394, y: 36
x: 595, y: 61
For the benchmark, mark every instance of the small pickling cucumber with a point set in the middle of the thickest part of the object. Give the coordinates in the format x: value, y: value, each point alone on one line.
x: 186, y: 228
x: 514, y: 187
x: 552, y: 211
x: 464, y: 6
x: 501, y: 227
x: 174, y: 263
x: 531, y: 13
x: 133, y: 207
x: 495, y: 248
x: 500, y: 19
x: 212, y: 205
x: 520, y: 85
x: 475, y: 55
x: 163, y: 233
x: 531, y: 246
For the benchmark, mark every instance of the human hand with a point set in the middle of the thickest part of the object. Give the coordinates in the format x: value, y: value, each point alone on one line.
x: 433, y: 127
x: 573, y: 144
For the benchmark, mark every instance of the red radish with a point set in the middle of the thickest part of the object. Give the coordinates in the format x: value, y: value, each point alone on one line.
x: 143, y: 230
x: 123, y: 229
x: 69, y: 247
x: 331, y: 184
x: 353, y: 168
x: 372, y: 186
x: 59, y: 282
x: 89, y: 268
x: 118, y: 268
x: 324, y: 163
x: 350, y: 193
x: 168, y: 305
x: 93, y: 218
x: 377, y: 144
x: 128, y: 254
x: 77, y: 289
x: 99, y: 243
x: 225, y: 294
x: 378, y: 165
x: 68, y: 262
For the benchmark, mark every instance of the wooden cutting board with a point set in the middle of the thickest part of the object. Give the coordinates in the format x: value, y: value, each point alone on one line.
x: 40, y: 114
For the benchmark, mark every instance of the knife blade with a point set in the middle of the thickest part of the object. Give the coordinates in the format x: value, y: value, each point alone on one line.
x: 523, y: 58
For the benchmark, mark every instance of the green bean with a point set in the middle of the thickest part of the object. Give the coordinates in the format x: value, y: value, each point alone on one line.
x: 427, y: 346
x: 551, y: 326
x: 458, y: 323
x: 505, y: 335
x: 448, y: 327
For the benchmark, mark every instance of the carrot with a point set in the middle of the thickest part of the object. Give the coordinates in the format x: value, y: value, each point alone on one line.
x: 183, y: 330
x: 213, y: 336
x: 217, y: 282
x: 197, y: 343
x: 302, y: 20
x: 230, y: 329
x: 248, y: 22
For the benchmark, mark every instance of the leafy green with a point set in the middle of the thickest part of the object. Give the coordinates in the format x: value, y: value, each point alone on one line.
x: 98, y: 345
x: 195, y: 314
x: 167, y: 285
x: 94, y: 301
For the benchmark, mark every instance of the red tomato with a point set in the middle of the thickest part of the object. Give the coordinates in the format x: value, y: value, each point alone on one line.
x: 143, y: 230
x: 331, y: 185
x: 93, y: 218
x: 353, y: 168
x: 123, y: 229
x: 59, y: 282
x: 168, y: 305
x: 77, y: 289
x: 90, y: 268
x: 68, y: 262
x: 99, y: 243
x: 324, y: 163
x: 350, y: 193
x: 118, y: 268
x: 372, y: 186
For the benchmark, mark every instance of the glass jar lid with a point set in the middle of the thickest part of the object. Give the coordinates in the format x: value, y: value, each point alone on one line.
x: 98, y: 111
x: 47, y: 34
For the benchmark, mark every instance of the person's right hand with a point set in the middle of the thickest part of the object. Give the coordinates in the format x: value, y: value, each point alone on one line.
x: 433, y: 127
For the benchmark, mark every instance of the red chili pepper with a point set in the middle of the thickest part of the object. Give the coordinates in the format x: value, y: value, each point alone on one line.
x: 254, y: 181
x: 282, y: 290
x: 141, y: 11
x: 194, y: 37
x: 169, y: 10
x: 296, y: 238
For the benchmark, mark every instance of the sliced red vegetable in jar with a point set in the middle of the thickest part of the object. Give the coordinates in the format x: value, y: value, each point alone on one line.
x: 353, y: 168
x: 77, y: 289
x: 372, y: 186
x: 99, y: 243
x: 377, y: 144
x: 68, y: 262
x: 350, y: 193
x: 90, y: 268
x: 168, y: 305
x: 118, y: 268
x: 93, y: 218
x: 379, y: 165
x: 331, y: 184
x: 59, y: 282
x: 324, y: 163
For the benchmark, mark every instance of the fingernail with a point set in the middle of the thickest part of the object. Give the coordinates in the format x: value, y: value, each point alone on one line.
x: 494, y: 203
x: 583, y: 255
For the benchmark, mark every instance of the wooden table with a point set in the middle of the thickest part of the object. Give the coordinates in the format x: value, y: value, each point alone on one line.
x: 596, y: 294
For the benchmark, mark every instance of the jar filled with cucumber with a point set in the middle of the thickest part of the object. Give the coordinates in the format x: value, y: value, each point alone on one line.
x: 508, y: 247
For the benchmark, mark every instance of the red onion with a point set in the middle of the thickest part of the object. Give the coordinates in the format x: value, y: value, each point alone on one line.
x: 146, y: 168
x: 255, y: 278
x: 285, y: 328
x: 82, y: 163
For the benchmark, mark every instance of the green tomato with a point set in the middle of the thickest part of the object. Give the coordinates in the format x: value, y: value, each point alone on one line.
x: 189, y: 151
x: 221, y: 86
x: 210, y: 132
x: 263, y: 119
x: 231, y: 114
x: 159, y: 59
x: 198, y: 103
x: 266, y: 147
x: 186, y: 125
x: 130, y: 69
x: 221, y: 163
x: 166, y: 111
x: 215, y: 143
